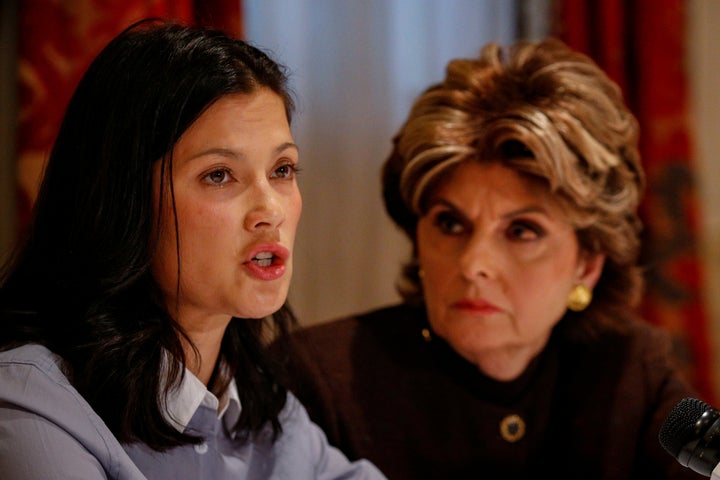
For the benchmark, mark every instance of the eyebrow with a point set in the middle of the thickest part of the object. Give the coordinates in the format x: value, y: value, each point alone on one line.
x: 228, y: 152
x: 285, y: 146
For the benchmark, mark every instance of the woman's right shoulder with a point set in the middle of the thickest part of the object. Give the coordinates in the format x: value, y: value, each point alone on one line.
x: 47, y: 427
x: 34, y: 379
x: 32, y: 355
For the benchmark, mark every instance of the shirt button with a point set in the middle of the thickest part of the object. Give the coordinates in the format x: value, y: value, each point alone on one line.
x: 201, y: 448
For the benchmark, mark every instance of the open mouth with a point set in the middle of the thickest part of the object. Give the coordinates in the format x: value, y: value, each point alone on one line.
x: 263, y: 259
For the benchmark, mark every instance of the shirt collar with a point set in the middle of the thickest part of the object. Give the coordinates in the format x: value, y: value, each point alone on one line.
x: 231, y: 411
x: 183, y: 401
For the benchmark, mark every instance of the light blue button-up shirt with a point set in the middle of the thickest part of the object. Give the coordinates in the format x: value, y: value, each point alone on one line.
x: 48, y: 431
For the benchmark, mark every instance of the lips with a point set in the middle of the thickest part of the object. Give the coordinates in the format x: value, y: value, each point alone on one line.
x: 267, y: 262
x: 478, y: 307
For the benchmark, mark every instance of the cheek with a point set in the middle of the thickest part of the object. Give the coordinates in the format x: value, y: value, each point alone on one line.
x: 296, y: 206
x: 438, y: 256
x: 439, y: 271
x: 197, y: 226
x: 541, y: 291
x: 293, y: 209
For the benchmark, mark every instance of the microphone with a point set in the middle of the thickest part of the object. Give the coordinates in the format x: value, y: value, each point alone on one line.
x: 691, y: 434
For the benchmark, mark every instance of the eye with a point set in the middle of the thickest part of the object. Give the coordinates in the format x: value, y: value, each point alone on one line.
x: 217, y: 177
x: 524, y: 231
x: 449, y: 223
x: 287, y: 170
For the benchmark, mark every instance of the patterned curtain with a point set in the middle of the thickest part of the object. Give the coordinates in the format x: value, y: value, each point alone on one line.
x: 642, y: 46
x: 57, y: 40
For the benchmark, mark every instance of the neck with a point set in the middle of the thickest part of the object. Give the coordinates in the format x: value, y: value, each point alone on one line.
x: 503, y: 367
x: 507, y: 363
x: 207, y: 338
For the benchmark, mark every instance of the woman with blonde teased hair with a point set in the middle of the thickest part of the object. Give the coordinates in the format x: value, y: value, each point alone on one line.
x: 517, y: 351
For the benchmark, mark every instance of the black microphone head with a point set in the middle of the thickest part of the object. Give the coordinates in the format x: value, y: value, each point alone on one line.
x: 680, y: 425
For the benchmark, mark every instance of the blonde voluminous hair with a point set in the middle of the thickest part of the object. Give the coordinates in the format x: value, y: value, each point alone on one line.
x: 549, y: 113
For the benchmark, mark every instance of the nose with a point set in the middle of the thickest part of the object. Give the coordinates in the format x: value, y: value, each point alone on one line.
x: 478, y: 258
x: 266, y: 210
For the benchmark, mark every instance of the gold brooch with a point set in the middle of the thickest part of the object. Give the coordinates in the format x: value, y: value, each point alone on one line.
x: 512, y: 428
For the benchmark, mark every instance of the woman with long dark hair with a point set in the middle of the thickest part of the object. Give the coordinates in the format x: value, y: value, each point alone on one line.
x: 133, y: 315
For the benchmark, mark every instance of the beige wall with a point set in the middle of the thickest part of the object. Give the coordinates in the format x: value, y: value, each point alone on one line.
x: 704, y: 63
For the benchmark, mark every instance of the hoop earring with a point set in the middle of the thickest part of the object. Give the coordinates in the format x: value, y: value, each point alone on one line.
x: 579, y: 298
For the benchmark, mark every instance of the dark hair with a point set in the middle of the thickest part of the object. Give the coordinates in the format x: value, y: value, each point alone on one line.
x: 549, y: 113
x: 80, y: 282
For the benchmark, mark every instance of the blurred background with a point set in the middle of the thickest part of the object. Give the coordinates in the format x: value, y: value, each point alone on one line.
x: 355, y: 67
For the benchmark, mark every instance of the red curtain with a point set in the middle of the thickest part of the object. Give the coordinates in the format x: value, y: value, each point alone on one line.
x: 57, y: 41
x: 642, y: 46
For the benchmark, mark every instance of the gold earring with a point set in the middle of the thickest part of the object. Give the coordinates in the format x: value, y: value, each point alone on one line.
x: 421, y: 273
x: 579, y: 298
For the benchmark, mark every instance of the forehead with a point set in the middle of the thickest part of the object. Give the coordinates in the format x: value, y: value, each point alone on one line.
x: 244, y: 110
x: 237, y: 121
x: 489, y: 190
x: 232, y: 127
x: 480, y: 178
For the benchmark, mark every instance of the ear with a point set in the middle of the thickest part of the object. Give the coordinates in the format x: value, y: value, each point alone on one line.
x: 589, y: 269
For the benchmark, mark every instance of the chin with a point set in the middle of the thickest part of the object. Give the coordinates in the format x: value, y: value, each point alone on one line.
x: 257, y: 314
x: 262, y: 307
